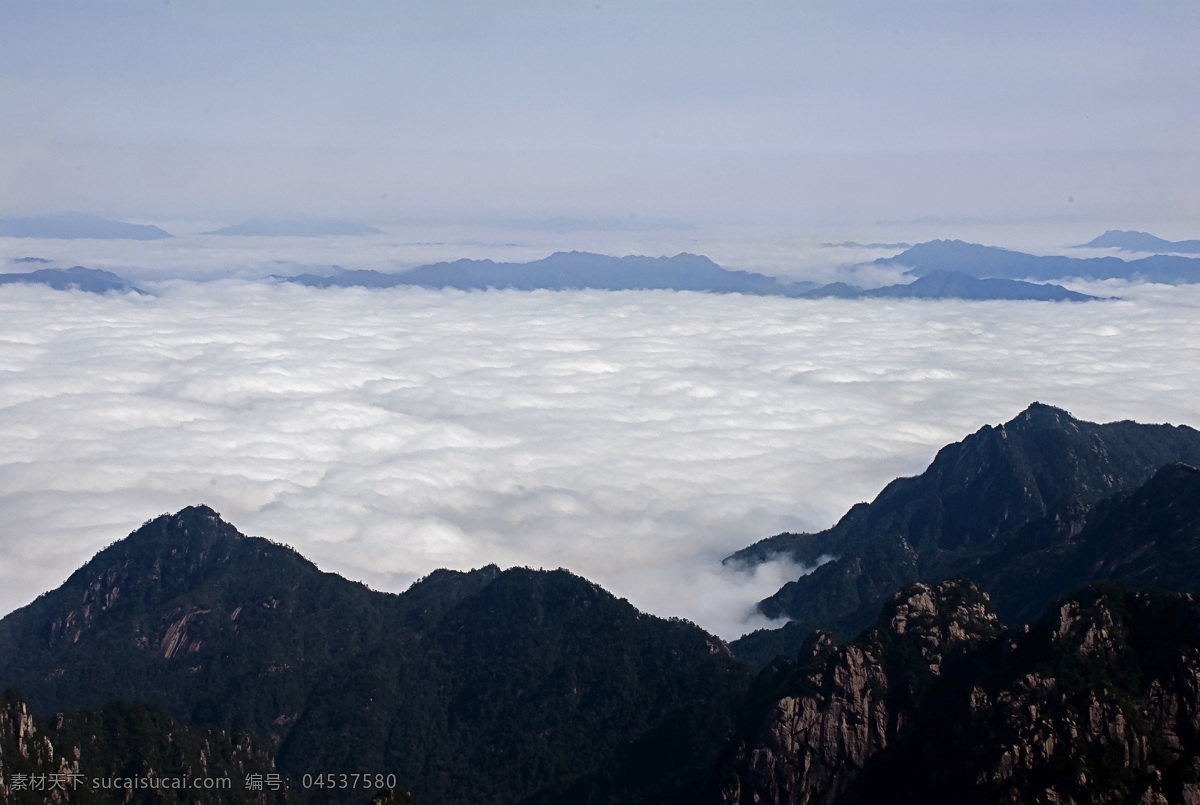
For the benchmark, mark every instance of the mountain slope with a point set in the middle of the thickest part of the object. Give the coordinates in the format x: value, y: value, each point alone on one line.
x: 480, y: 686
x: 938, y: 702
x: 92, y: 280
x: 1149, y: 537
x: 1131, y: 241
x: 965, y: 507
x: 72, y: 225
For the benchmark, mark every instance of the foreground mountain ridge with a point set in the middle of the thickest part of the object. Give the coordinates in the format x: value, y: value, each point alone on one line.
x: 541, y: 688
x: 481, y: 686
x: 1096, y: 703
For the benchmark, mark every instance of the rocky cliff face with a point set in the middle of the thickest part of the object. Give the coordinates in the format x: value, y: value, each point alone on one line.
x: 841, y: 706
x: 26, y: 751
x: 1098, y: 703
x: 126, y: 753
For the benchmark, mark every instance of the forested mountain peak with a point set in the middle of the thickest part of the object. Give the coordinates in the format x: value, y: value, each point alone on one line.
x: 486, y: 685
x: 959, y: 515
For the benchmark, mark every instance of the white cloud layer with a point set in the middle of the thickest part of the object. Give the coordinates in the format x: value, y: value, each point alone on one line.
x: 634, y: 438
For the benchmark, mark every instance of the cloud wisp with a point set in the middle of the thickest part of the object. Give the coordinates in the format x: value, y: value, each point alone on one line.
x: 635, y: 438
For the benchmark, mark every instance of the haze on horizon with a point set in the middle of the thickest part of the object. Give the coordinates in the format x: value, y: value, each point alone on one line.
x: 760, y: 112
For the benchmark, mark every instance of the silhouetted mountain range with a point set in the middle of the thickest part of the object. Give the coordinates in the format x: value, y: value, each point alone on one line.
x: 1131, y: 241
x: 993, y: 261
x: 295, y: 227
x: 78, y: 278
x: 77, y: 225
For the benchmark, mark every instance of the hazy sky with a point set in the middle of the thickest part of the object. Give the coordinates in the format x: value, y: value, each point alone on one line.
x: 806, y: 112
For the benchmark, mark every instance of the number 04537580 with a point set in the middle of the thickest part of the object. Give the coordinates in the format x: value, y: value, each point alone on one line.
x: 332, y: 780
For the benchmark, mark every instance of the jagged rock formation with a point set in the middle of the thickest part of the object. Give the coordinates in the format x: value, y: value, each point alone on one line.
x: 127, y: 753
x: 24, y: 751
x: 470, y: 687
x: 965, y: 515
x: 938, y: 702
x: 837, y: 707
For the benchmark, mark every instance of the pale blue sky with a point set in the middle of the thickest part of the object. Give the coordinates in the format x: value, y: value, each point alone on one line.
x: 699, y: 111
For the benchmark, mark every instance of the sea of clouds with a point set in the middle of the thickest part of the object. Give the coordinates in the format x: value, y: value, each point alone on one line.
x: 635, y: 438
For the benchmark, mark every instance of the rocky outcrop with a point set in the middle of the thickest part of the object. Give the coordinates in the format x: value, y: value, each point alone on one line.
x: 841, y: 706
x: 26, y: 754
x: 176, y: 639
x: 1099, y: 703
x: 128, y: 753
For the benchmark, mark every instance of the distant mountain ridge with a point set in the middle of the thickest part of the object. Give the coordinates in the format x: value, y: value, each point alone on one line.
x: 993, y: 261
x: 965, y: 514
x: 581, y: 270
x: 683, y: 272
x: 78, y: 278
x: 954, y: 285
x: 72, y: 225
x: 1133, y: 241
x: 572, y: 271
